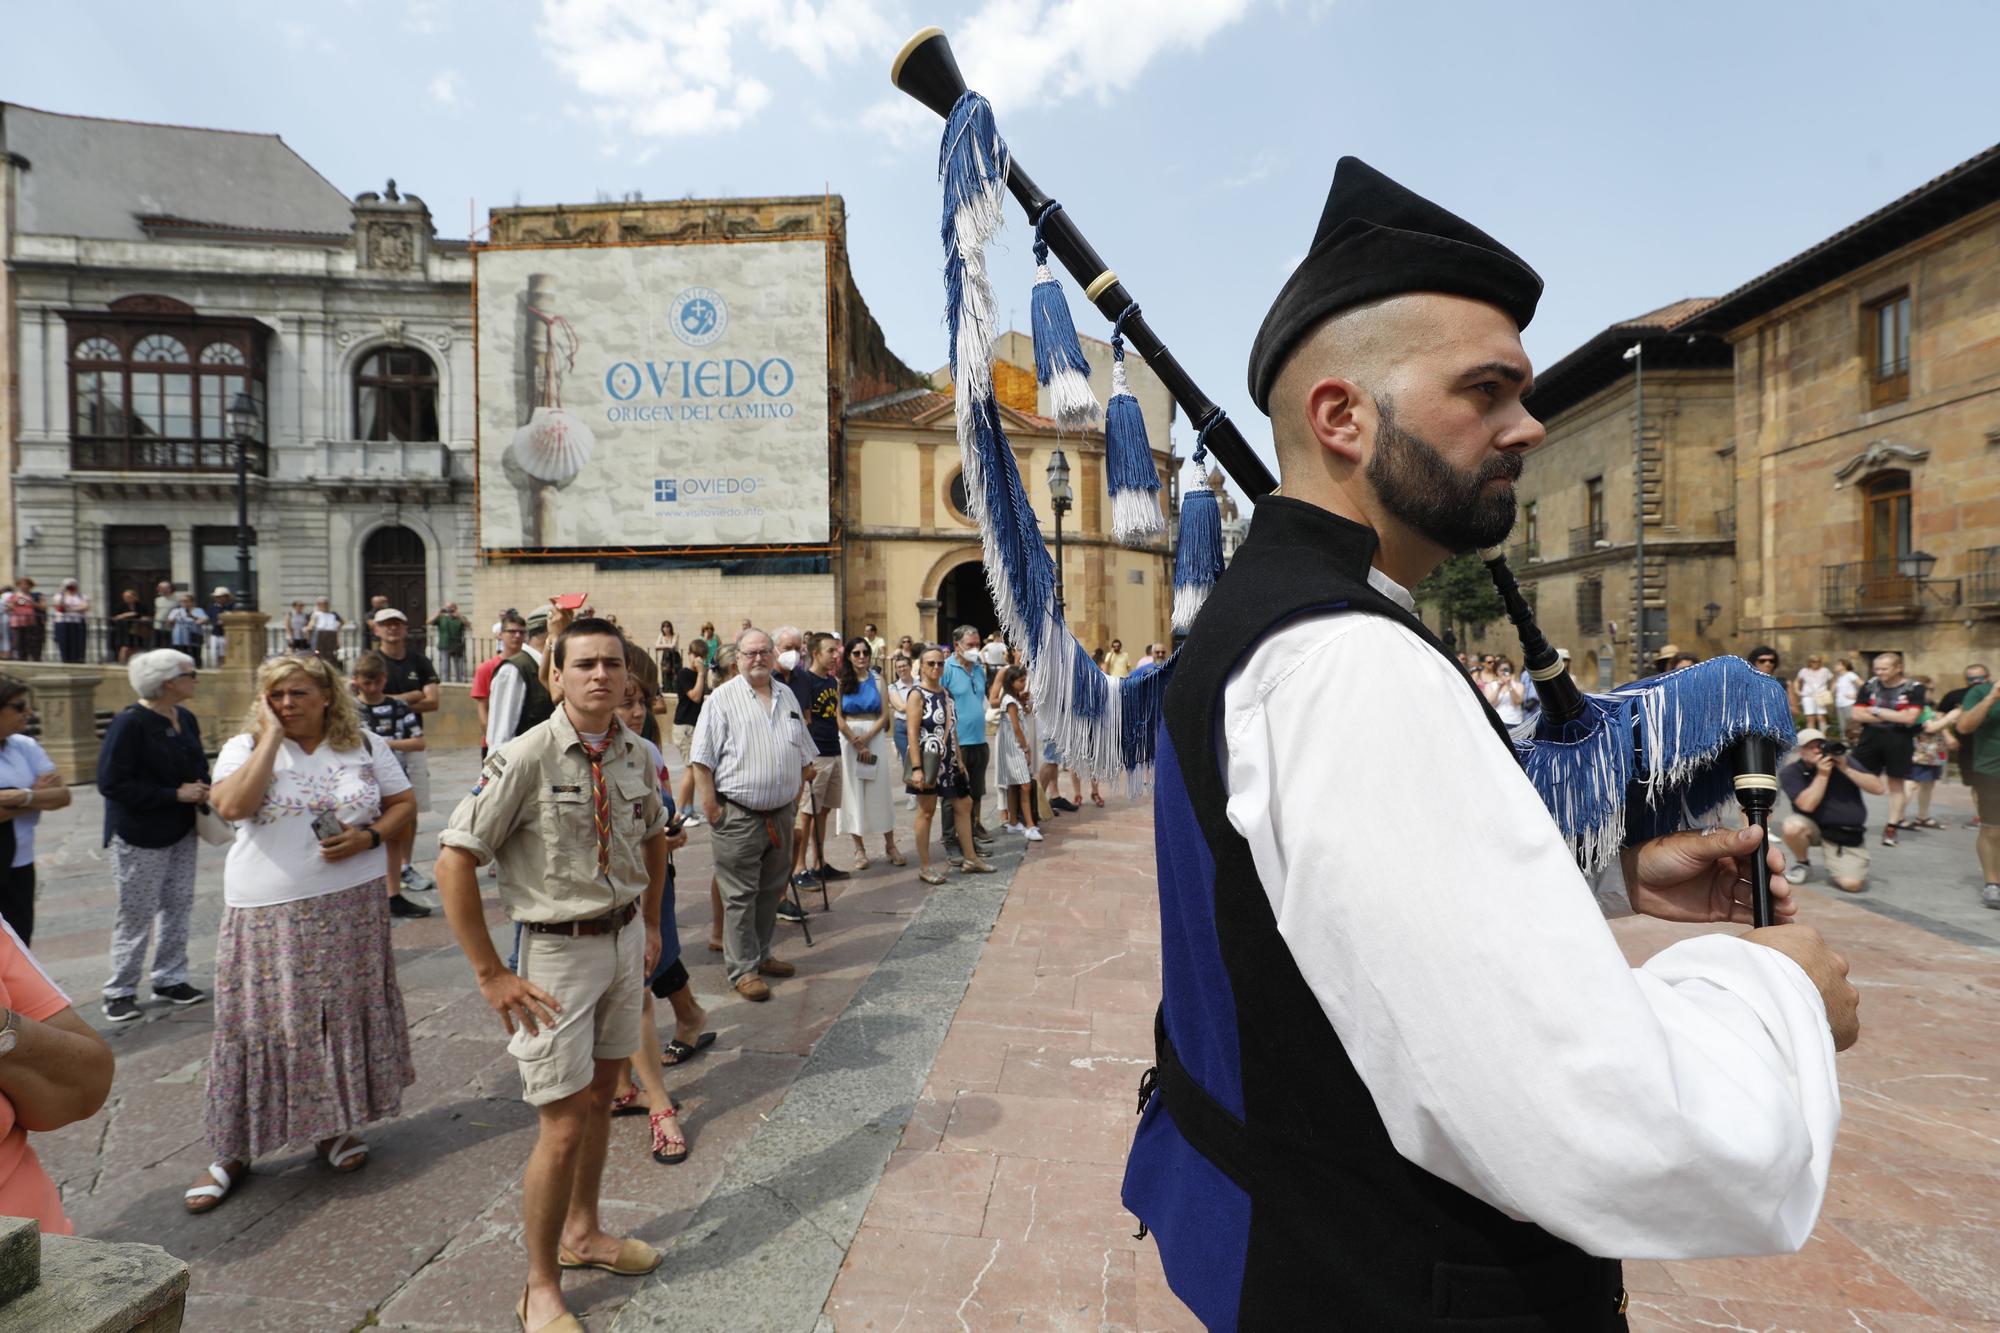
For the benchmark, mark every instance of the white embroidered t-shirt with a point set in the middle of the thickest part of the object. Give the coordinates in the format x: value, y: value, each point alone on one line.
x: 276, y: 856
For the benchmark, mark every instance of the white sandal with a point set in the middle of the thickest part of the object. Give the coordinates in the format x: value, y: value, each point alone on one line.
x: 224, y: 1183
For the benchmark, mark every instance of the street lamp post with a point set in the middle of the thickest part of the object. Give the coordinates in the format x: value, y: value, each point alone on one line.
x: 245, y: 425
x: 1636, y: 354
x: 1060, y: 499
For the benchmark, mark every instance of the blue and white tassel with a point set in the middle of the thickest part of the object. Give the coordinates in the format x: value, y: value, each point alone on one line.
x: 1083, y: 712
x: 1198, y: 555
x: 1681, y: 723
x: 1129, y: 472
x: 1059, y: 364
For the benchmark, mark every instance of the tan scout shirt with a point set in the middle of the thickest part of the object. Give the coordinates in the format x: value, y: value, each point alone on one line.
x: 532, y: 812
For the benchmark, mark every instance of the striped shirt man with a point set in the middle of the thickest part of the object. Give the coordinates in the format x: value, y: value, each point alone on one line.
x: 756, y: 746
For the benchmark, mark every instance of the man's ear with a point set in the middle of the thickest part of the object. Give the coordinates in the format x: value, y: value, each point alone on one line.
x: 1333, y: 408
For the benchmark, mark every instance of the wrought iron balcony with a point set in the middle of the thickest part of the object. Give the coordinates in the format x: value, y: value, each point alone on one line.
x: 1890, y: 588
x: 1982, y: 576
x: 153, y: 454
x: 1523, y: 554
x: 1584, y: 540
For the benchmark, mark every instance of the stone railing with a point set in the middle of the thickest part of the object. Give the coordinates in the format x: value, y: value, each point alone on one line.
x: 62, y: 1284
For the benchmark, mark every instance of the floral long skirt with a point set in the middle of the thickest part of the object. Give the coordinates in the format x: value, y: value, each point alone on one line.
x: 310, y: 1036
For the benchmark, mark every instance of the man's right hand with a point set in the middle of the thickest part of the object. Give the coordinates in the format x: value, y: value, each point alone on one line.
x: 1825, y: 765
x: 517, y: 999
x: 712, y: 812
x: 1828, y: 971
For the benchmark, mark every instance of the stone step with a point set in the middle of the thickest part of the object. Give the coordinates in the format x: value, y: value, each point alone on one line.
x: 20, y: 1257
x: 93, y: 1286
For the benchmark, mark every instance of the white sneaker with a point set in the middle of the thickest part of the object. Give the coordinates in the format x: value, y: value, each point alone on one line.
x: 1010, y: 828
x: 1797, y: 872
x: 1032, y: 834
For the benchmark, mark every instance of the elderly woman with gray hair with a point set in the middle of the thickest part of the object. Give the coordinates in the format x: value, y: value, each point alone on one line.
x: 153, y: 777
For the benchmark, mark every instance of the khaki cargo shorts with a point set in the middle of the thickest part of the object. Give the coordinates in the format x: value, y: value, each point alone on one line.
x: 823, y: 792
x: 598, y: 980
x: 1845, y: 862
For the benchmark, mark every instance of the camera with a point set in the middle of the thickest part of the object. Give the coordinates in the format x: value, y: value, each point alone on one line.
x: 1833, y: 749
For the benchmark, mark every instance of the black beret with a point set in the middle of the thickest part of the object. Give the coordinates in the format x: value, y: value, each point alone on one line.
x: 1378, y: 239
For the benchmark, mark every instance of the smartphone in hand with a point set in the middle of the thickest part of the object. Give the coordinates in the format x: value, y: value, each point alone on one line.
x: 571, y: 601
x: 326, y: 824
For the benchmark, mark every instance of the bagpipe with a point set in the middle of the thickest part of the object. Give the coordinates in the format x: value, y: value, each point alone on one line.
x: 1614, y: 769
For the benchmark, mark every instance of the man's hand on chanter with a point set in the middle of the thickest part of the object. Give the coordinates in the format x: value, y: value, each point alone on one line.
x: 1704, y: 876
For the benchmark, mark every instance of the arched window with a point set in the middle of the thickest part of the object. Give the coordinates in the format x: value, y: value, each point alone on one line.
x: 958, y: 498
x: 395, y: 396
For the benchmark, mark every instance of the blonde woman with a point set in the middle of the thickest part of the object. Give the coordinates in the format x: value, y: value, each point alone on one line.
x: 310, y: 1036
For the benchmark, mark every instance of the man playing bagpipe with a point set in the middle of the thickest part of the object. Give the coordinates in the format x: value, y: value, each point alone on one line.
x: 1407, y: 1079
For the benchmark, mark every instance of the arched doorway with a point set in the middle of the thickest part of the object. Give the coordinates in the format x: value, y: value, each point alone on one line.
x: 964, y: 600
x: 392, y: 564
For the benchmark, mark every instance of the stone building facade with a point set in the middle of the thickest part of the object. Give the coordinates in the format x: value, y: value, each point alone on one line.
x: 1867, y: 406
x: 1822, y: 456
x: 152, y: 272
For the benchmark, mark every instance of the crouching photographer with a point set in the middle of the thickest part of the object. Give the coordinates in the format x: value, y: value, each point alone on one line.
x: 1824, y: 785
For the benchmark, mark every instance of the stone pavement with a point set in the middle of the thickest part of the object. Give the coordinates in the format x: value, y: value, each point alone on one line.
x: 427, y: 1236
x: 851, y: 1172
x: 1000, y: 1207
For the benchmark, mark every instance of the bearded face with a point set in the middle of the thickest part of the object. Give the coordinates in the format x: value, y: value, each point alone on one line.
x: 1460, y: 511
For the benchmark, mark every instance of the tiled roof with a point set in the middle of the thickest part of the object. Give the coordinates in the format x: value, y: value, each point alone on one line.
x: 907, y: 406
x: 1971, y: 185
x: 929, y: 407
x: 1600, y: 361
x: 1670, y: 315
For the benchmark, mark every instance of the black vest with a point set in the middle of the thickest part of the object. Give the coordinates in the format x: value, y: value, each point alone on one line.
x: 1261, y: 1164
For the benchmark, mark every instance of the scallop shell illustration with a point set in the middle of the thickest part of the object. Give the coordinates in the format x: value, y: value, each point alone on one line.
x: 554, y: 445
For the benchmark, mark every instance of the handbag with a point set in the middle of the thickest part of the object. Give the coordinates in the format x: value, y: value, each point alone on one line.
x: 932, y: 759
x: 213, y: 828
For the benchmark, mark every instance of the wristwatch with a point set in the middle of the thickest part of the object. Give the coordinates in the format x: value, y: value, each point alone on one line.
x: 374, y: 838
x: 9, y: 1034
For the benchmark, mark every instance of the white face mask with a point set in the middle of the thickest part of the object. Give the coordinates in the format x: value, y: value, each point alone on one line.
x: 969, y: 653
x: 788, y: 660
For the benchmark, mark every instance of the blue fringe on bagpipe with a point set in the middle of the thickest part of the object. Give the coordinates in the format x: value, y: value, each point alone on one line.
x: 1650, y: 758
x: 1097, y: 725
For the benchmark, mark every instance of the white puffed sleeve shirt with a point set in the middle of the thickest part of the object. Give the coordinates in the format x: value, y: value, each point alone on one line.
x: 1682, y: 1109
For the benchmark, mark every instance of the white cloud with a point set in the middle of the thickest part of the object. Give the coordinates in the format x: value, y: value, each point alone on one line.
x: 1022, y: 53
x: 444, y: 87
x: 1262, y: 165
x: 670, y: 68
x: 674, y: 68
x: 423, y: 16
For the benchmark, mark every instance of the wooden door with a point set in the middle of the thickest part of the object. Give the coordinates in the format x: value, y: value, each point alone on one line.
x: 393, y: 564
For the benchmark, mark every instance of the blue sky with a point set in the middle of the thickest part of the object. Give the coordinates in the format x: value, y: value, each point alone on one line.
x: 1634, y: 154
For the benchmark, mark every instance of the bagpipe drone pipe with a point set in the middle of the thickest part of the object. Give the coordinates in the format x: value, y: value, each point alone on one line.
x: 1645, y: 759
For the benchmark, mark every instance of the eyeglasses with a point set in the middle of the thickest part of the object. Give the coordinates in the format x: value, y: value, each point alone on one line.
x: 753, y: 652
x: 1772, y: 660
x: 934, y: 663
x: 187, y: 675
